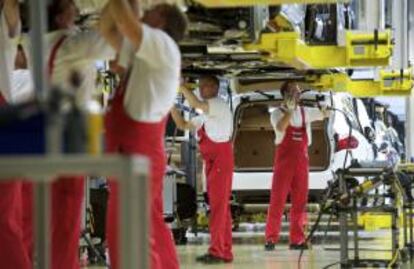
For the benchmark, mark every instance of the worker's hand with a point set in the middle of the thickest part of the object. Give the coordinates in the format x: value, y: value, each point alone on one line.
x: 290, y: 105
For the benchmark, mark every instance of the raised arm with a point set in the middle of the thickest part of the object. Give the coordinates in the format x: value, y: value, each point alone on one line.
x: 12, y: 14
x: 284, y: 122
x: 126, y: 19
x: 180, y: 122
x: 109, y: 30
x: 194, y: 101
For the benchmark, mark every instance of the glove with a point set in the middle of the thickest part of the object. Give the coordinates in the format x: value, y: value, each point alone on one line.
x: 290, y: 105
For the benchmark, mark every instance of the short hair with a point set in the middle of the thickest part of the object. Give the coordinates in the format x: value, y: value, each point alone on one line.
x: 212, y: 79
x: 285, y: 87
x: 175, y: 21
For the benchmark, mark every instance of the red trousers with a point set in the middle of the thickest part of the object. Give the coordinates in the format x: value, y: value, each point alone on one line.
x: 15, y: 225
x: 163, y: 254
x: 127, y: 136
x: 67, y: 198
x: 291, y: 171
x: 16, y: 205
x: 219, y: 165
x: 15, y: 222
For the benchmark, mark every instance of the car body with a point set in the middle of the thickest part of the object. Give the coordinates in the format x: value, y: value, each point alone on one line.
x: 254, y: 142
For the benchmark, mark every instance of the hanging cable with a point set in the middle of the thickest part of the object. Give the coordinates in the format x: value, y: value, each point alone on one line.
x: 325, y: 205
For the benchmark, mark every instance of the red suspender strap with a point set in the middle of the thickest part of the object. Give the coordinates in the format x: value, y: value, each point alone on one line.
x: 52, y: 58
x: 302, y: 111
x: 2, y: 100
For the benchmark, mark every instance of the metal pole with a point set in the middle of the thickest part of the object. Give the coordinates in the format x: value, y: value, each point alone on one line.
x: 370, y: 14
x: 343, y: 223
x: 400, y: 26
x: 354, y: 215
x: 409, y: 119
x: 38, y: 15
x: 134, y: 225
x: 42, y: 231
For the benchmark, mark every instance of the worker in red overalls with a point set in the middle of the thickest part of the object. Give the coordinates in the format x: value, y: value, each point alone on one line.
x: 214, y: 129
x: 291, y: 123
x: 14, y: 250
x: 69, y: 52
x: 136, y: 118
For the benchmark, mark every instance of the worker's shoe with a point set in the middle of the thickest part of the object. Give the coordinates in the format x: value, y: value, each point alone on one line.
x: 302, y: 246
x: 211, y: 259
x: 269, y: 246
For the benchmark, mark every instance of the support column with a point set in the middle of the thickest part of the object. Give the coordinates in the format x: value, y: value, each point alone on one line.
x: 370, y: 14
x: 402, y: 54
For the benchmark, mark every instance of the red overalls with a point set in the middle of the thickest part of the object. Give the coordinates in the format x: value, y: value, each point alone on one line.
x: 16, y: 244
x: 67, y: 198
x: 291, y: 172
x: 219, y: 164
x: 128, y: 136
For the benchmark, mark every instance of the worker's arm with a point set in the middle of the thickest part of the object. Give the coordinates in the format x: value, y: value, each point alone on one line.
x: 12, y: 15
x: 194, y: 101
x: 109, y: 30
x: 126, y: 19
x: 284, y: 122
x: 289, y: 107
x: 180, y: 122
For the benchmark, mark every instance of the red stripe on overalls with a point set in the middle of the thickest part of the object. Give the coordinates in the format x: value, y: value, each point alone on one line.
x: 219, y: 165
x: 291, y: 171
x: 128, y: 136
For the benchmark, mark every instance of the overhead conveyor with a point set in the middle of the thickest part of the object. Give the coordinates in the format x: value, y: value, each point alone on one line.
x: 359, y: 49
x: 387, y: 83
x: 246, y: 3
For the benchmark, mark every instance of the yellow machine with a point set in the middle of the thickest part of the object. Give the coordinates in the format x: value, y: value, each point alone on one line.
x: 245, y: 3
x: 389, y: 83
x: 359, y: 49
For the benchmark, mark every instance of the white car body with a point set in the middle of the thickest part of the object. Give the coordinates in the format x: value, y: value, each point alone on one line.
x: 257, y: 181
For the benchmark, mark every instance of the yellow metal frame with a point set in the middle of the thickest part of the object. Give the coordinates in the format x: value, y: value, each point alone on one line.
x: 359, y: 50
x: 246, y: 3
x: 390, y: 83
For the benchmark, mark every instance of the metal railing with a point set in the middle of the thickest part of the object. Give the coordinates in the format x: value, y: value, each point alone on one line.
x: 132, y: 174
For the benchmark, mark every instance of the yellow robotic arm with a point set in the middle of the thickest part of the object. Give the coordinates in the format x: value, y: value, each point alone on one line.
x: 388, y: 83
x: 359, y: 49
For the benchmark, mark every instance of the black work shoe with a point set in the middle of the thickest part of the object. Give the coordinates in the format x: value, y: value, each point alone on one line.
x: 269, y: 246
x: 211, y: 259
x: 301, y: 246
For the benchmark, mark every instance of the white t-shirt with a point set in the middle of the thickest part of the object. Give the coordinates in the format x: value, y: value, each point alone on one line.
x: 78, y: 52
x: 311, y: 114
x: 155, y: 75
x: 22, y: 86
x: 218, y: 123
x: 8, y: 50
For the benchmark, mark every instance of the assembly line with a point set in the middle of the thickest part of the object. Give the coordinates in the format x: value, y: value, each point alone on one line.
x: 129, y: 128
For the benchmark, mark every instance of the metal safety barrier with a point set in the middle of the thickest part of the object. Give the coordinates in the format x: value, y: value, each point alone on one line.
x: 130, y: 171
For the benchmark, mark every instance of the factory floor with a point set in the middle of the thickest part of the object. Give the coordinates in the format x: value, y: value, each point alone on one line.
x: 249, y: 254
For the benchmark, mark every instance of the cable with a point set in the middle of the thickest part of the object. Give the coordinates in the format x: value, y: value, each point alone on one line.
x: 318, y: 219
x: 330, y: 188
x: 394, y: 259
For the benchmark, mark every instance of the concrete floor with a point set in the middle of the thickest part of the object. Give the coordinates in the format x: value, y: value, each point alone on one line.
x: 250, y: 255
x: 253, y: 256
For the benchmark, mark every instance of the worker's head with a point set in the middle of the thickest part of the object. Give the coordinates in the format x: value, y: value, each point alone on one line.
x: 62, y: 14
x: 290, y: 89
x: 209, y: 87
x: 168, y: 18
